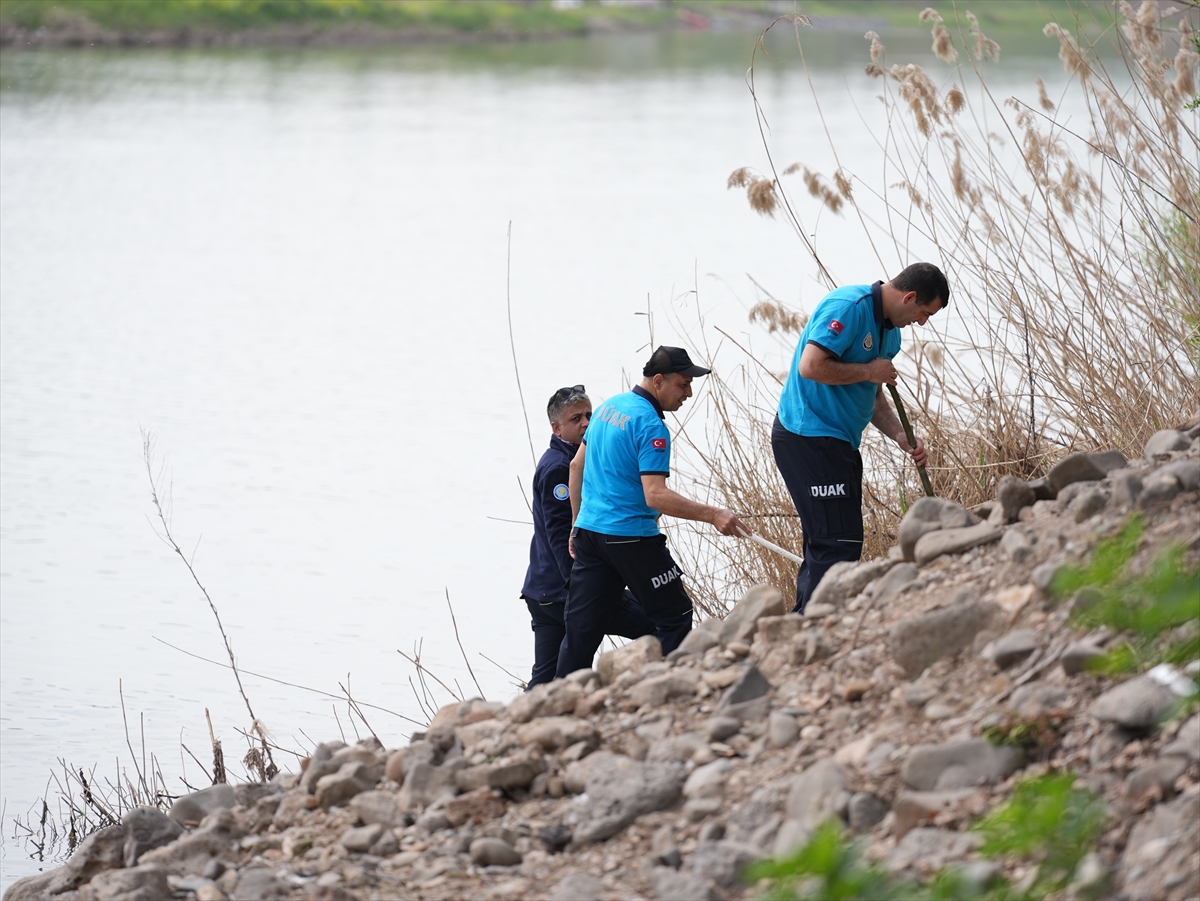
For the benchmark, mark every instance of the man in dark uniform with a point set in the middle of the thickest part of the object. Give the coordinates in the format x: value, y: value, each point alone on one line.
x: 833, y: 389
x: 545, y: 589
x: 618, y: 490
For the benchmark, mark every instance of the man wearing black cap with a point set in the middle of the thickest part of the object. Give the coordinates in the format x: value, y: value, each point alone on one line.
x: 617, y: 497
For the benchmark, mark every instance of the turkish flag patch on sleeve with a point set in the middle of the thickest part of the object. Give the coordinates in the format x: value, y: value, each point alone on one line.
x: 835, y: 326
x: 658, y: 443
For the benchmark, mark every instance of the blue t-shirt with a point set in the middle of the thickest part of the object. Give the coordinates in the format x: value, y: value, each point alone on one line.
x: 625, y: 440
x: 849, y: 323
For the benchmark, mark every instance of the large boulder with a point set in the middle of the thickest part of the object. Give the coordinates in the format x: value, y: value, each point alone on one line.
x: 814, y: 798
x: 963, y: 764
x: 929, y: 514
x: 620, y: 790
x: 741, y: 622
x: 917, y: 642
x: 630, y: 658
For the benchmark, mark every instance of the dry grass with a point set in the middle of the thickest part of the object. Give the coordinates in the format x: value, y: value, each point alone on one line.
x: 1073, y: 252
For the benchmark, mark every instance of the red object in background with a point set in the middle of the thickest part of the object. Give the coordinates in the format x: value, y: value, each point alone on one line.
x: 693, y: 20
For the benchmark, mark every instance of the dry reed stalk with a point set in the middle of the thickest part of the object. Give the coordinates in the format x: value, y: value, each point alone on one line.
x: 1074, y: 254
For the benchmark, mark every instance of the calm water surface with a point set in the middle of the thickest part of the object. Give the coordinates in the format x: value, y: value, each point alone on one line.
x: 291, y: 269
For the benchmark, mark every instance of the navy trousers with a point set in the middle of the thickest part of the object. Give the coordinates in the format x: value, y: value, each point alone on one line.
x: 627, y: 620
x: 824, y: 478
x: 604, y: 566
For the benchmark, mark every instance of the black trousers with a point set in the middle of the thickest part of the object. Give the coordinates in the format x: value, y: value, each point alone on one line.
x: 604, y: 566
x: 628, y: 620
x: 824, y: 478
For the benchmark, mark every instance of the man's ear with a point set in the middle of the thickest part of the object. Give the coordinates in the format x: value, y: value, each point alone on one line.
x: 556, y: 428
x: 909, y: 297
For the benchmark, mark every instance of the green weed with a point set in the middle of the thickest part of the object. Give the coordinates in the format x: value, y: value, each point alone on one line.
x: 1157, y: 611
x: 1048, y: 823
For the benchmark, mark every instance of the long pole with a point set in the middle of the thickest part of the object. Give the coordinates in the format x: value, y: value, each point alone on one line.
x: 772, y: 547
x: 912, y: 441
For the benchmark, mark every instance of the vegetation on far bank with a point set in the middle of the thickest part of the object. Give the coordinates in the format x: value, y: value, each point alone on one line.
x: 458, y: 18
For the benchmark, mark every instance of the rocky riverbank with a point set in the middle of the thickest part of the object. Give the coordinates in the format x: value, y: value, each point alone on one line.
x: 651, y: 778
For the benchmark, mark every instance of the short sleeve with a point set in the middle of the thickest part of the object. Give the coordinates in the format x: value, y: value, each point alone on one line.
x: 654, y: 449
x: 834, y: 327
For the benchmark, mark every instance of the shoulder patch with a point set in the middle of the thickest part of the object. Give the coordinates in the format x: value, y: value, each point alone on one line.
x: 561, y: 492
x: 835, y: 326
x: 659, y: 443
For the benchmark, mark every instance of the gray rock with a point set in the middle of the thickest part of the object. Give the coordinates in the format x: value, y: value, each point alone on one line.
x: 1126, y: 488
x: 33, y: 888
x: 670, y: 885
x: 879, y: 759
x: 377, y: 807
x: 1042, y: 490
x: 865, y: 811
x: 845, y: 580
x: 1014, y: 494
x: 960, y: 765
x: 722, y: 862
x: 195, y: 807
x: 705, y: 635
x: 360, y: 838
x: 494, y: 852
x: 1160, y: 859
x: 424, y: 784
x: 915, y: 807
x: 1014, y: 647
x: 708, y: 781
x: 433, y: 821
x: 417, y: 752
x: 893, y: 582
x: 720, y: 728
x: 931, y: 848
x: 1077, y: 467
x: 1108, y: 744
x: 711, y: 832
x: 260, y: 884
x: 350, y: 779
x: 1088, y: 504
x: 103, y: 850
x: 782, y: 729
x: 657, y: 690
x: 1159, y: 489
x: 1156, y: 776
x: 1107, y: 461
x: 677, y: 748
x: 577, y: 774
x: 812, y: 800
x: 1077, y: 655
x: 1016, y: 545
x: 1043, y: 574
x: 148, y: 883
x: 1033, y: 700
x: 1187, y: 740
x: 630, y: 658
x: 147, y: 828
x: 928, y: 514
x: 1166, y: 441
x: 698, y: 809
x: 918, y: 694
x: 1186, y: 471
x: 740, y: 623
x: 915, y: 643
x: 953, y: 541
x: 559, y: 697
x: 1137, y: 704
x: 750, y: 685
x: 580, y: 887
x: 620, y: 790
x: 505, y: 774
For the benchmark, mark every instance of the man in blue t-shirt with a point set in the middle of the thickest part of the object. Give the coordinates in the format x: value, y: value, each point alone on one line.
x: 618, y: 489
x: 833, y: 389
x: 545, y: 588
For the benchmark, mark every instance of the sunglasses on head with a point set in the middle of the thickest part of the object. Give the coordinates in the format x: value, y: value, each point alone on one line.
x: 567, y: 392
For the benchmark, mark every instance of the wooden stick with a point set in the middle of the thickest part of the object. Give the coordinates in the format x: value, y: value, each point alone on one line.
x: 912, y: 440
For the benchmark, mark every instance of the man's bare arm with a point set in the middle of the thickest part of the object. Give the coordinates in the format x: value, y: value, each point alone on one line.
x: 672, y: 503
x: 819, y: 365
x: 575, y: 489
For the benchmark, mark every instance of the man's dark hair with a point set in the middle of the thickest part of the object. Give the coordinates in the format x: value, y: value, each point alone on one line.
x: 927, y: 280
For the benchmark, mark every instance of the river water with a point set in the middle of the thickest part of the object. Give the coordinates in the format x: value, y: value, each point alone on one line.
x: 291, y: 268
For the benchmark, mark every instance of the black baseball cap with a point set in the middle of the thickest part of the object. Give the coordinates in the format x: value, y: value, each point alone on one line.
x: 672, y: 359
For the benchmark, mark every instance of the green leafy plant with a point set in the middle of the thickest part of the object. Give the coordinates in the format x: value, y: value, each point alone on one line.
x: 1039, y: 735
x: 1047, y: 821
x: 1157, y: 611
